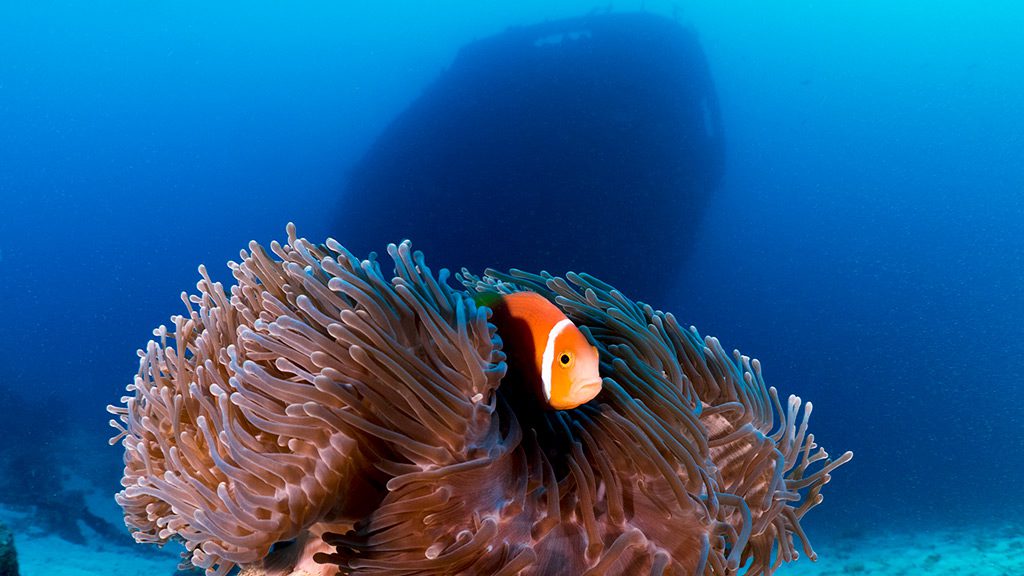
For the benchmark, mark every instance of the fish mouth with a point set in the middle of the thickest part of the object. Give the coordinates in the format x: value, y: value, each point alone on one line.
x: 581, y: 393
x: 586, y: 391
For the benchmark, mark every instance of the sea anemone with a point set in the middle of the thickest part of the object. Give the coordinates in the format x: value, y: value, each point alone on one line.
x: 327, y: 411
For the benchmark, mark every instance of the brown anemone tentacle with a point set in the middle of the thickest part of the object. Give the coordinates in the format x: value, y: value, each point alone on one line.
x: 365, y: 415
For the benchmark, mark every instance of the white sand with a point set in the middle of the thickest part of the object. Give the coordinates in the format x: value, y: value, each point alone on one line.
x: 42, y: 554
x: 978, y: 550
x: 49, y: 556
x: 981, y: 550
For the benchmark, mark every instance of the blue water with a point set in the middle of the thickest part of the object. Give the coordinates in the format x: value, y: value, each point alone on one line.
x: 866, y: 241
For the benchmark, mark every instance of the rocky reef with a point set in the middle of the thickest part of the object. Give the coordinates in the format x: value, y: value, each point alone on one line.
x: 8, y: 555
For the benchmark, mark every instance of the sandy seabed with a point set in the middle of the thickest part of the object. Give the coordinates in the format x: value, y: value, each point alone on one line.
x: 976, y: 550
x: 981, y: 550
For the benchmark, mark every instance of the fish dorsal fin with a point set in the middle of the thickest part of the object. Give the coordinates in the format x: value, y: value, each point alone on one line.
x: 489, y: 299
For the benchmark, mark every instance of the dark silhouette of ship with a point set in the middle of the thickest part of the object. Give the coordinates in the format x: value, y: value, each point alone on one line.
x: 590, y: 144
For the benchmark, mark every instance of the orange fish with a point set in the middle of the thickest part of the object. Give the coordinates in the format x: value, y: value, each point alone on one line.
x: 545, y: 348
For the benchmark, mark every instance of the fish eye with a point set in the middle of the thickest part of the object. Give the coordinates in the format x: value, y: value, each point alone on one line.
x: 565, y: 359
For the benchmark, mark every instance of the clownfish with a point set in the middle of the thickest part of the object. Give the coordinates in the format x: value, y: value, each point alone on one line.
x: 545, y: 348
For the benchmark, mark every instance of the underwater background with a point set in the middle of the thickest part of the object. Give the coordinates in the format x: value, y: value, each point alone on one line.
x: 865, y: 240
